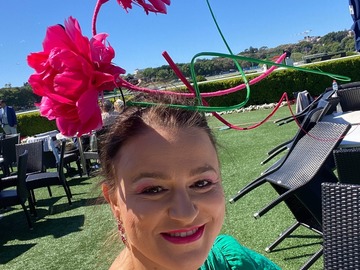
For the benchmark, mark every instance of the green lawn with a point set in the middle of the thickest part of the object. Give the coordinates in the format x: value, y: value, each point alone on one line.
x: 81, y: 236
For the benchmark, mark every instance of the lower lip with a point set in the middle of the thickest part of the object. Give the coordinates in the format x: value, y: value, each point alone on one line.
x: 184, y: 240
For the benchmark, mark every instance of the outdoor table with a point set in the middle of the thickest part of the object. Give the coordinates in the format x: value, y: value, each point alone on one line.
x: 352, y: 138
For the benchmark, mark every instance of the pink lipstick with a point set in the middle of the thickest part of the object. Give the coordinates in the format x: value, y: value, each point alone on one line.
x: 184, y: 236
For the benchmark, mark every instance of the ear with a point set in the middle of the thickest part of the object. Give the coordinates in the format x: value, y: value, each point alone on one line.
x: 112, y: 198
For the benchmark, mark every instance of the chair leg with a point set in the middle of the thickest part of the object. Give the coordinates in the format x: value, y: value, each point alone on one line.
x: 78, y: 164
x: 247, y: 189
x: 283, y: 235
x: 271, y: 205
x: 68, y: 188
x: 50, y: 193
x: 68, y: 192
x: 6, y: 169
x: 32, y: 195
x: 32, y: 207
x: 32, y: 203
x: 312, y: 260
x: 27, y: 216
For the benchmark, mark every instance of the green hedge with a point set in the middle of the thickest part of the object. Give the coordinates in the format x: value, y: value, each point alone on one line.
x: 286, y: 80
x: 32, y: 123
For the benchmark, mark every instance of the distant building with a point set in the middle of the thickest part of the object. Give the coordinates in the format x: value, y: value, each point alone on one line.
x: 311, y: 38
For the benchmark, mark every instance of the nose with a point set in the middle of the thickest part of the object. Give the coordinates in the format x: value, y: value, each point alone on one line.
x: 183, y: 207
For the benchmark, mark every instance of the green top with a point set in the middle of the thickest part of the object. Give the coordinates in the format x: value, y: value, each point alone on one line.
x: 228, y: 254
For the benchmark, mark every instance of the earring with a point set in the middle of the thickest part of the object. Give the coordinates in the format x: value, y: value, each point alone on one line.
x: 121, y: 231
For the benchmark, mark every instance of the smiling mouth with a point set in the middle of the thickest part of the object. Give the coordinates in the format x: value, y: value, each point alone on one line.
x: 184, y: 236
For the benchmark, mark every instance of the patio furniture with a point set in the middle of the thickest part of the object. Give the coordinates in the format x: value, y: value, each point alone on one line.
x: 328, y: 93
x: 70, y: 157
x: 8, y: 156
x: 90, y: 148
x: 352, y: 138
x: 317, y: 102
x: 303, y: 99
x: 34, y: 163
x: 87, y: 152
x: 341, y: 225
x: 35, y: 150
x: 12, y: 197
x: 309, y: 121
x: 297, y: 179
x: 347, y: 161
x: 49, y: 148
x: 47, y: 179
x: 349, y: 99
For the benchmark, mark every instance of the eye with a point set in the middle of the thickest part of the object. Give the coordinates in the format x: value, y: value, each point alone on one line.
x: 152, y: 190
x: 202, y: 184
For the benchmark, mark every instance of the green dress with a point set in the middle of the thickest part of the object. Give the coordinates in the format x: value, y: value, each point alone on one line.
x: 228, y: 254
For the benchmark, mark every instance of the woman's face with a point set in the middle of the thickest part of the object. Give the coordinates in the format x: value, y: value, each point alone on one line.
x: 169, y: 198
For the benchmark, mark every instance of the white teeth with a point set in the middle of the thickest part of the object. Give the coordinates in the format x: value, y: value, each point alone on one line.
x: 184, y: 234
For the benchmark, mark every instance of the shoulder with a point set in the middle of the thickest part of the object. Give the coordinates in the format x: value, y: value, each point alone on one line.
x: 228, y: 253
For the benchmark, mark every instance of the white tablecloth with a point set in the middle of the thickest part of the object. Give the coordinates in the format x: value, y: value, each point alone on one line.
x: 346, y: 117
x: 352, y: 138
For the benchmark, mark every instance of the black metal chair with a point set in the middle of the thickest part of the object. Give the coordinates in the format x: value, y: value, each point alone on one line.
x: 349, y: 98
x: 87, y: 153
x: 90, y: 148
x: 309, y: 121
x: 347, y: 162
x: 47, y: 179
x: 8, y: 153
x: 317, y: 102
x: 72, y: 156
x: 34, y: 163
x: 12, y: 197
x: 328, y: 93
x: 35, y: 150
x: 324, y: 107
x: 341, y: 226
x: 49, y: 152
x: 297, y: 179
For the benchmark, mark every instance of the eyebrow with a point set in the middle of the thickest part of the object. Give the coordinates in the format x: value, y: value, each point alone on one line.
x: 156, y: 175
x: 202, y: 169
x: 163, y: 176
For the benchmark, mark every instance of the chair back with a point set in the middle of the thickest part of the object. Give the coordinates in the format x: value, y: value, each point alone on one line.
x: 8, y: 149
x: 307, y: 164
x: 349, y: 99
x: 35, y: 152
x: 22, y: 190
x: 341, y: 225
x: 347, y: 162
x: 17, y: 135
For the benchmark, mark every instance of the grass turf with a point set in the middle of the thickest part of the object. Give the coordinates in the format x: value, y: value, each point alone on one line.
x: 77, y: 236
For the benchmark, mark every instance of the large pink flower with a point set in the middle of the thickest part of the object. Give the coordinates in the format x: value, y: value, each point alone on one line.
x: 154, y: 6
x: 70, y: 73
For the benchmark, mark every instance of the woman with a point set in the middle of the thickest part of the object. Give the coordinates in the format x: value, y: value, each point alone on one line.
x: 163, y: 183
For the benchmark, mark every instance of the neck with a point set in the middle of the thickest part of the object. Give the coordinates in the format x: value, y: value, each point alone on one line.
x: 127, y: 260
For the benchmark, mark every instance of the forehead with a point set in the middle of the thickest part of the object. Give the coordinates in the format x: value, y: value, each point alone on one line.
x: 167, y: 149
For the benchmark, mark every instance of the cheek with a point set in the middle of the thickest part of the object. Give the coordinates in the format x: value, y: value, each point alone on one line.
x: 214, y: 204
x: 140, y: 213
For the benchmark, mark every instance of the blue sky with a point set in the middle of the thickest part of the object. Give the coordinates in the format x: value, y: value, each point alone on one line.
x: 187, y: 29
